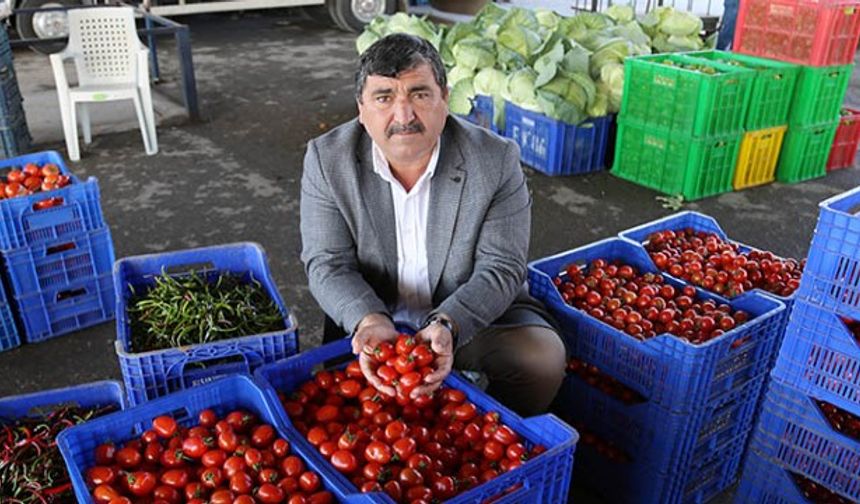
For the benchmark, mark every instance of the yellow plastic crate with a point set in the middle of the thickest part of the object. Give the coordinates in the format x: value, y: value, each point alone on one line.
x: 758, y: 155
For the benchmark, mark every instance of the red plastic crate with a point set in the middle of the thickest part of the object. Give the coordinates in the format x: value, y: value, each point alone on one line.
x: 845, y: 144
x: 800, y: 31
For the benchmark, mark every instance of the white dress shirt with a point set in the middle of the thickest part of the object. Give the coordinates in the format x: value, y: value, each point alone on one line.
x: 410, y: 214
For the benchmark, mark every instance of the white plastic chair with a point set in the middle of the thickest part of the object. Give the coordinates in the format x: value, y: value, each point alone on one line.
x: 111, y: 64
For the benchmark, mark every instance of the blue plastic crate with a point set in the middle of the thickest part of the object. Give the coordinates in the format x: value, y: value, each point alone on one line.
x: 78, y: 444
x: 707, y: 224
x: 482, y: 113
x: 831, y: 279
x: 544, y: 479
x: 152, y: 374
x: 96, y: 394
x: 21, y: 225
x: 9, y: 337
x: 762, y: 482
x: 664, y: 448
x: 820, y: 357
x: 64, y: 262
x: 669, y: 371
x: 556, y: 148
x: 60, y: 310
x: 794, y: 435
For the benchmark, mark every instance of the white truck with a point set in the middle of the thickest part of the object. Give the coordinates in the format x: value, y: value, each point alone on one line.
x: 349, y: 15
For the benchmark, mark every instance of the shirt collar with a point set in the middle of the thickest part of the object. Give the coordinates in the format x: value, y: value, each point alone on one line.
x: 383, y: 169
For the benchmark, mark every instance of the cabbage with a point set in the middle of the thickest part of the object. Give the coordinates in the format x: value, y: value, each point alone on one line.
x: 365, y: 40
x: 520, y: 89
x: 489, y: 81
x: 458, y: 73
x: 519, y: 32
x: 680, y: 24
x: 460, y: 97
x: 620, y: 13
x: 547, y: 19
x: 414, y: 25
x: 474, y: 53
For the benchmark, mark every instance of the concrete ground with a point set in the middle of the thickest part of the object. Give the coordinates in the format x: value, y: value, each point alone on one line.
x: 268, y: 82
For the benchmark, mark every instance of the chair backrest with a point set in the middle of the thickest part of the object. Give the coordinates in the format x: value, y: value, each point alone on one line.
x: 105, y: 38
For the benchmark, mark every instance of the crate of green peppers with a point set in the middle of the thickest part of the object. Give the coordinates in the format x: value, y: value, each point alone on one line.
x: 191, y: 316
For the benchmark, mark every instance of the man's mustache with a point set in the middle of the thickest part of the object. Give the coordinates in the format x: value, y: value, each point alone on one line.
x: 396, y: 129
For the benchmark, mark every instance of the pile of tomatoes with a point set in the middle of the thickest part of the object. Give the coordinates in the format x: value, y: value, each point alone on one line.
x: 403, y: 364
x: 644, y: 306
x: 417, y: 452
x: 593, y: 376
x: 32, y: 179
x: 706, y: 260
x: 235, y: 460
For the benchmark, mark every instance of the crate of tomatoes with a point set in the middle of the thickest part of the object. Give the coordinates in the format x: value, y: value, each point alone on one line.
x: 457, y: 446
x: 221, y: 442
x: 41, y: 201
x: 677, y: 345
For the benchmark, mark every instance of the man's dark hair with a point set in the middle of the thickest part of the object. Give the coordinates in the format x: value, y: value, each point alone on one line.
x: 394, y: 54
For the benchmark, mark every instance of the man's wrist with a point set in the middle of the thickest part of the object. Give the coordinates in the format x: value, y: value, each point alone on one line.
x: 443, y: 320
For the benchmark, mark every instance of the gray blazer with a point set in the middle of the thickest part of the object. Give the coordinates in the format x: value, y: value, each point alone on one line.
x: 477, y: 230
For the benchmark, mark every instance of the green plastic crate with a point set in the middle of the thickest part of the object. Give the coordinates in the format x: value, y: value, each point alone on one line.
x: 686, y: 102
x: 819, y: 94
x: 673, y: 163
x: 772, y: 90
x: 805, y: 151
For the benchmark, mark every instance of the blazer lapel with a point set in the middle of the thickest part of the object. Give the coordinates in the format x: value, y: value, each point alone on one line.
x: 375, y: 196
x: 446, y: 191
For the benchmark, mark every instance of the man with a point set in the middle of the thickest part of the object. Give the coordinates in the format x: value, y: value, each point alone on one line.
x: 409, y: 214
x: 727, y: 25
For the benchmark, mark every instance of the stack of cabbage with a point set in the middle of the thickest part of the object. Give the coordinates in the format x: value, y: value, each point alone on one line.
x: 569, y: 68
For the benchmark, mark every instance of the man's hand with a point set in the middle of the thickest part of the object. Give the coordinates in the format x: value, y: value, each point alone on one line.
x: 442, y: 342
x: 373, y: 329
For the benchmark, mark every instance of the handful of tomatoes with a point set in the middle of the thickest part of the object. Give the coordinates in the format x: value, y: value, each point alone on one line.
x: 417, y: 452
x: 403, y: 364
x: 32, y: 179
x: 235, y: 460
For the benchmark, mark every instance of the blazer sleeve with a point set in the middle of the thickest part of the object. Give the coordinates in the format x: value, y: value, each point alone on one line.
x: 329, y: 251
x: 501, y: 255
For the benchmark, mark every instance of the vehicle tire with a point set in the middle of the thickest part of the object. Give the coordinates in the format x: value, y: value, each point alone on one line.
x: 352, y: 15
x: 48, y: 25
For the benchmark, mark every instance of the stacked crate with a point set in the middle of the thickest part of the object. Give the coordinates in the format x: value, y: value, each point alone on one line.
x: 847, y: 138
x: 57, y: 253
x: 822, y: 37
x: 14, y: 135
x: 806, y: 447
x: 678, y: 431
x: 767, y: 115
x: 681, y: 124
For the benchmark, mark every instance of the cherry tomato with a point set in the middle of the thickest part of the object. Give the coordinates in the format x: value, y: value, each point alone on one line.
x: 269, y: 494
x: 128, y: 458
x: 104, y: 494
x: 211, y: 477
x: 344, y: 461
x: 167, y: 493
x: 101, y: 475
x: 292, y: 466
x: 164, y: 426
x: 194, y: 447
x: 141, y: 483
x: 309, y: 481
x: 221, y: 497
x: 262, y: 436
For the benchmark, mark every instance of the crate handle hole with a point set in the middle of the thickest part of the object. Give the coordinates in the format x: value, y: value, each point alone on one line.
x: 71, y: 293
x: 48, y: 203
x: 56, y: 249
x: 194, y: 372
x: 740, y: 342
x: 189, y: 268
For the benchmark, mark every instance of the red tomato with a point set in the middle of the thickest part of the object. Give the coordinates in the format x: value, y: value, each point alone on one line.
x: 233, y: 465
x: 349, y: 388
x: 176, y: 478
x: 383, y: 351
x: 241, y: 483
x: 141, y: 483
x: 270, y: 494
x: 195, y: 491
x: 167, y: 494
x: 240, y: 421
x: 344, y: 461
x: 292, y: 466
x: 211, y: 477
x: 101, y: 475
x: 263, y: 435
x: 103, y: 494
x: 309, y: 481
x: 194, y: 447
x: 281, y: 448
x: 405, y: 344
x: 164, y: 426
x: 422, y: 355
x: 378, y: 452
x: 221, y: 497
x: 128, y: 458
